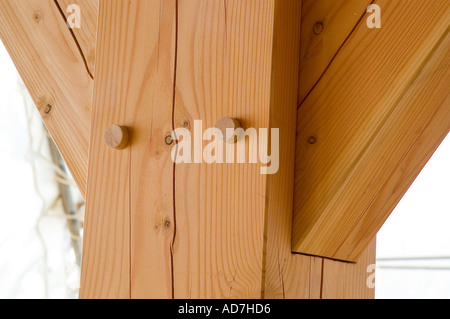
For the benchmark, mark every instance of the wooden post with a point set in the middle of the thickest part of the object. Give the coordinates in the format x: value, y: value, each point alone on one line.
x: 157, y: 229
x: 129, y: 213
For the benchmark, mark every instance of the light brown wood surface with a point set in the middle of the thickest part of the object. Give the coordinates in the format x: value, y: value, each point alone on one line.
x: 86, y: 35
x: 232, y: 58
x: 364, y: 127
x: 337, y: 20
x: 284, y: 275
x: 342, y: 280
x: 306, y: 276
x: 129, y: 204
x: 52, y: 68
x: 117, y: 137
x: 195, y: 231
x: 153, y: 223
x: 425, y: 105
x: 220, y: 220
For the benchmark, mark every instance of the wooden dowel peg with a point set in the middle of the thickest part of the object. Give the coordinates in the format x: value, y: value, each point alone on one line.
x: 228, y: 123
x: 117, y: 137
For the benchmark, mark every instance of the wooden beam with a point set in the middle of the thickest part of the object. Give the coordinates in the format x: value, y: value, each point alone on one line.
x: 237, y: 59
x: 53, y: 69
x: 121, y: 257
x: 128, y: 231
x: 155, y: 229
x: 341, y: 280
x: 426, y: 117
x: 360, y: 121
x: 285, y: 275
x: 298, y: 276
x: 326, y: 27
x: 86, y: 35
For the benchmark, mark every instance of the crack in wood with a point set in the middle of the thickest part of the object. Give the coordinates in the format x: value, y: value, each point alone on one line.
x: 334, y: 56
x: 61, y: 11
x: 172, y: 244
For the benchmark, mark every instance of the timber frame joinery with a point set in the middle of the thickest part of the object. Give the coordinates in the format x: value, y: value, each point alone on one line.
x: 359, y: 111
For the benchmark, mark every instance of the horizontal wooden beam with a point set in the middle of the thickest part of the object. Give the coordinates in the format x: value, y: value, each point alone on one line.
x: 361, y: 120
x: 54, y: 71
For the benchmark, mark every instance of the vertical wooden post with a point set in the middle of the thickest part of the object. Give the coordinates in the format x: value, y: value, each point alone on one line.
x: 156, y: 229
x: 129, y: 213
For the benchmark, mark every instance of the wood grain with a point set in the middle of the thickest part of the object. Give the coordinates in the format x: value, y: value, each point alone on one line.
x: 362, y: 127
x: 284, y: 275
x: 224, y: 70
x: 231, y: 225
x: 52, y: 68
x: 425, y: 105
x: 194, y: 230
x: 117, y: 137
x: 86, y: 35
x: 337, y: 20
x: 349, y: 280
x: 128, y: 223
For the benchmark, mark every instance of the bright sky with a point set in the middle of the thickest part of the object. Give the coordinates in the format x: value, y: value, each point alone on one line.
x: 419, y: 227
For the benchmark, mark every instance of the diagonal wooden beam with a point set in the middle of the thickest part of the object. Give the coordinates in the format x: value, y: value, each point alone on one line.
x: 87, y: 33
x: 360, y: 122
x: 326, y: 27
x: 53, y: 68
x: 424, y: 123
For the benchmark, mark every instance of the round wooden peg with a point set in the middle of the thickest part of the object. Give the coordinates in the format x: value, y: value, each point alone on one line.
x: 117, y: 137
x: 228, y: 123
